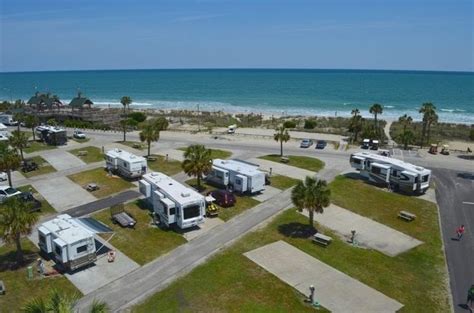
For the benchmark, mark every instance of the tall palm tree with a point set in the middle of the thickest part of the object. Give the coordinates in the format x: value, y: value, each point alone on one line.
x: 197, y: 162
x: 312, y: 195
x: 281, y: 135
x: 376, y: 109
x: 16, y: 220
x: 31, y: 121
x: 19, y: 140
x: 432, y: 118
x: 126, y: 101
x: 59, y: 302
x: 151, y: 130
x: 126, y: 124
x: 355, y: 112
x: 9, y: 160
x: 356, y: 124
x: 426, y: 109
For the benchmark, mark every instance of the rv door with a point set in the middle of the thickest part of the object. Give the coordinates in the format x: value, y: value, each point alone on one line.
x: 240, y: 183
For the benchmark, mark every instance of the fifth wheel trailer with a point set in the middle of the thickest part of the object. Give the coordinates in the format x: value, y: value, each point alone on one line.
x: 397, y: 174
x: 125, y: 163
x: 241, y: 176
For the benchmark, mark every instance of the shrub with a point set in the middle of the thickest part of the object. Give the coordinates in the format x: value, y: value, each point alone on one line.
x: 138, y: 116
x: 309, y: 124
x: 289, y: 124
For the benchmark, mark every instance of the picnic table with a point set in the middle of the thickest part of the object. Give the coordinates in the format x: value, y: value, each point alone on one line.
x: 82, y: 153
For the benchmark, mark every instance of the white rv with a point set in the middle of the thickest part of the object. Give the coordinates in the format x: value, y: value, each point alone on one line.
x: 4, y: 133
x: 51, y: 135
x: 397, y: 174
x: 7, y: 119
x: 125, y: 163
x: 70, y: 241
x: 174, y: 203
x: 241, y: 176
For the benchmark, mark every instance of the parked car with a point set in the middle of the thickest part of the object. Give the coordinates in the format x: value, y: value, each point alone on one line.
x: 321, y: 144
x: 78, y: 134
x: 306, y: 143
x: 28, y: 165
x: 7, y: 192
x: 223, y: 198
x: 3, y: 176
x: 35, y: 204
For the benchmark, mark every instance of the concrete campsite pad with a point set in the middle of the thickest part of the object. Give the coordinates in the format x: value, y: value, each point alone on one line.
x: 335, y: 290
x: 103, y: 272
x: 209, y: 223
x: 62, y: 160
x: 369, y: 233
x: 282, y: 169
x: 62, y: 193
x: 268, y: 193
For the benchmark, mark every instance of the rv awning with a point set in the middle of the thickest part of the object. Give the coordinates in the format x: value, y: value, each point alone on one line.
x: 379, y: 165
x: 409, y: 173
x: 93, y: 226
x: 358, y: 157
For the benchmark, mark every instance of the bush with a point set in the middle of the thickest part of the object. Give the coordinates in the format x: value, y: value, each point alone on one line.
x: 309, y: 124
x: 289, y: 124
x: 471, y: 134
x: 138, y: 116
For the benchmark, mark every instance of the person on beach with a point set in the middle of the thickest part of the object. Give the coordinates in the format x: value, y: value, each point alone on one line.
x: 470, y: 296
x: 460, y: 231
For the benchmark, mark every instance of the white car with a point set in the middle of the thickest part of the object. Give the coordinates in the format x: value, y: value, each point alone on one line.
x: 7, y: 192
x: 79, y: 134
x: 3, y: 176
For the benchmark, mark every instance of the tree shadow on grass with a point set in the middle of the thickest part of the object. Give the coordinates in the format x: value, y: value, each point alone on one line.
x: 296, y: 230
x: 8, y: 260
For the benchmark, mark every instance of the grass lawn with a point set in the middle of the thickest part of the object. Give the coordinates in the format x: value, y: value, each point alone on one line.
x: 134, y: 144
x: 28, y: 133
x: 94, y: 154
x: 417, y: 278
x: 144, y: 243
x: 282, y: 182
x: 46, y: 208
x: 243, y: 202
x: 19, y: 289
x: 304, y: 162
x: 80, y: 140
x: 43, y: 167
x: 107, y: 184
x: 170, y: 167
x: 215, y: 153
x: 38, y: 146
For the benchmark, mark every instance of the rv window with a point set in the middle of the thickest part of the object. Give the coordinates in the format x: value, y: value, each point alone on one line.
x: 219, y: 174
x: 356, y: 161
x: 192, y: 211
x: 172, y: 211
x: 375, y: 170
x: 125, y: 164
x: 58, y: 250
x: 42, y: 239
x: 394, y: 172
x: 81, y: 249
x: 416, y: 180
x: 238, y: 182
x: 425, y: 178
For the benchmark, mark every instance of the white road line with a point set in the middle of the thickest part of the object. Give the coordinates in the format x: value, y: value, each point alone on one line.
x: 468, y: 203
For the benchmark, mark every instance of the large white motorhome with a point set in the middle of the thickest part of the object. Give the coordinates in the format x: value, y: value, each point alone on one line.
x: 241, y: 176
x: 392, y: 172
x: 70, y: 241
x: 51, y: 135
x: 7, y: 119
x: 125, y: 163
x: 174, y: 203
x: 4, y: 133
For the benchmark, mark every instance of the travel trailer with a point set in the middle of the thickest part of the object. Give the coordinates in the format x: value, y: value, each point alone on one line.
x: 125, y: 163
x: 4, y: 133
x: 7, y: 119
x: 173, y: 203
x: 51, y: 135
x: 242, y: 177
x: 70, y: 241
x: 396, y: 174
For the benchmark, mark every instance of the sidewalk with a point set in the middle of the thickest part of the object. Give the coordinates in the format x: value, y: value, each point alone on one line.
x: 335, y: 290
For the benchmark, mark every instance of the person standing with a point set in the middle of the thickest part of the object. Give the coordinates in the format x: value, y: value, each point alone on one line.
x: 460, y: 231
x: 470, y: 296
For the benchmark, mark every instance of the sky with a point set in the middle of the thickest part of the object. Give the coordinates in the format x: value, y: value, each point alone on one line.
x: 38, y: 35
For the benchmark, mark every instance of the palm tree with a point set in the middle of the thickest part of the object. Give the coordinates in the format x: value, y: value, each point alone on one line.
x: 31, y: 121
x: 197, y: 162
x: 19, y: 140
x: 406, y: 137
x: 355, y: 112
x: 312, y: 195
x: 151, y: 130
x: 281, y: 135
x: 126, y: 101
x: 405, y: 120
x: 16, y: 220
x: 9, y: 160
x: 431, y: 118
x: 20, y: 118
x: 126, y: 124
x: 426, y: 109
x: 356, y: 124
x: 59, y: 302
x: 376, y: 109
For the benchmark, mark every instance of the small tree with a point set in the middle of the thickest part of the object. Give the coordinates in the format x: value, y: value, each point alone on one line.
x: 16, y: 220
x: 52, y: 122
x: 151, y: 131
x: 19, y: 140
x: 281, y: 135
x: 197, y: 162
x: 126, y: 101
x: 9, y: 161
x: 312, y: 195
x: 32, y: 121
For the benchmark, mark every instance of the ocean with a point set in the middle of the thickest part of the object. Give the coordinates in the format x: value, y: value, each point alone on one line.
x: 267, y: 91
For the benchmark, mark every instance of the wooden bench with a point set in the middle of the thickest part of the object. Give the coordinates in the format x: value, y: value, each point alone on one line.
x: 82, y: 153
x: 284, y: 159
x: 407, y: 216
x: 322, y: 239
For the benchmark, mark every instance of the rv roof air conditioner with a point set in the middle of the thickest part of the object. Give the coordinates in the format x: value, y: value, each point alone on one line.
x: 185, y: 194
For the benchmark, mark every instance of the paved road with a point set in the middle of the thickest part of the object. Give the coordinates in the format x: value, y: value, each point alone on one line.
x: 455, y: 196
x: 151, y: 278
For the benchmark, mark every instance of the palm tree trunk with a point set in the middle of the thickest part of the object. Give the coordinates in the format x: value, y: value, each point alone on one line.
x: 21, y: 154
x: 423, y: 131
x: 19, y: 251
x: 281, y: 148
x: 429, y: 133
x: 311, y: 220
x: 149, y: 144
x: 124, y: 135
x: 33, y: 131
x: 198, y: 180
x: 9, y: 174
